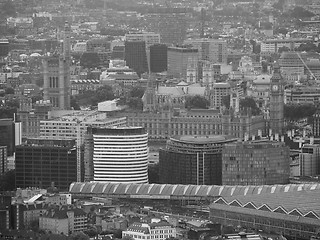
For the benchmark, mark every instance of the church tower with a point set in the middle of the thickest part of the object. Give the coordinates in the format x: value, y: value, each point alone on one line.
x: 56, y: 75
x: 276, y: 109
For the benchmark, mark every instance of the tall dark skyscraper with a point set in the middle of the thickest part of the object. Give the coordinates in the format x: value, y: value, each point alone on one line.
x: 136, y: 56
x: 276, y: 101
x: 39, y: 162
x: 56, y: 75
x: 158, y: 58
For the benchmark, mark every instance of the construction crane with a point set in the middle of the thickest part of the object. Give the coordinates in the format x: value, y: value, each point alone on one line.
x: 311, y: 73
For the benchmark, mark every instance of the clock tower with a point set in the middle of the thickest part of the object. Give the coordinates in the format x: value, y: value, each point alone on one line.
x: 276, y: 122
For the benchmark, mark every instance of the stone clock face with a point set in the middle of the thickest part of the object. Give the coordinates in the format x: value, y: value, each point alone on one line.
x: 275, y: 87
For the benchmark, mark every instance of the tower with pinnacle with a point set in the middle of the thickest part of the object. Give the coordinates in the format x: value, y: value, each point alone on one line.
x: 56, y: 75
x: 276, y: 110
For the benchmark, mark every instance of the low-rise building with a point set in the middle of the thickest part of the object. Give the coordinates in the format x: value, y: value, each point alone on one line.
x: 155, y: 230
x: 63, y: 219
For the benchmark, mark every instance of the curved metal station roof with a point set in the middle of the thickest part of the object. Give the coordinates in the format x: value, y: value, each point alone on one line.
x: 176, y: 191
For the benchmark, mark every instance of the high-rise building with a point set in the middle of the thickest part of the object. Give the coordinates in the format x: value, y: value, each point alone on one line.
x: 5, y: 205
x: 40, y: 162
x: 193, y: 160
x: 3, y: 159
x: 276, y: 110
x: 178, y: 58
x: 119, y: 154
x: 260, y: 162
x: 136, y: 56
x: 10, y: 134
x: 4, y: 47
x: 316, y: 124
x: 158, y: 58
x: 213, y: 50
x: 56, y: 76
x: 219, y: 91
x: 309, y: 160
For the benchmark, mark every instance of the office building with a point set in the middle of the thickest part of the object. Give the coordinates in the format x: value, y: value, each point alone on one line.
x: 213, y: 50
x: 41, y: 162
x: 158, y: 230
x: 260, y: 162
x: 5, y: 205
x: 63, y: 220
x: 69, y: 125
x: 24, y: 214
x: 148, y: 37
x: 119, y: 154
x: 276, y: 110
x: 178, y: 58
x: 4, y: 47
x: 136, y: 56
x: 273, y: 45
x: 10, y: 134
x: 218, y: 92
x: 316, y: 124
x: 302, y: 95
x: 30, y: 116
x: 56, y: 76
x: 309, y: 160
x: 158, y: 58
x: 3, y: 159
x: 193, y: 160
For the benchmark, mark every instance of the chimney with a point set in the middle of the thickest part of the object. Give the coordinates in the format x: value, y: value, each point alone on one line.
x: 270, y: 131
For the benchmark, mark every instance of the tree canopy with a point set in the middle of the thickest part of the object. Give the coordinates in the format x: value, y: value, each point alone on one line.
x: 250, y: 103
x: 92, y: 98
x: 197, y: 102
x: 299, y: 111
x: 300, y: 12
x: 89, y: 60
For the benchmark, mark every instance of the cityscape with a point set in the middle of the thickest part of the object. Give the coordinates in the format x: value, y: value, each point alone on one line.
x: 160, y: 119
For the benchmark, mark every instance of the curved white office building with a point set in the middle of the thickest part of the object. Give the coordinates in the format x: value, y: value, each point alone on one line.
x: 120, y: 154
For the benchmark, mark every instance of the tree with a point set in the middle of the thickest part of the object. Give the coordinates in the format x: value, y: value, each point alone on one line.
x: 137, y: 92
x: 89, y: 60
x: 295, y: 112
x: 283, y: 49
x: 92, y: 98
x: 226, y: 101
x: 197, y: 102
x: 9, y: 90
x: 249, y: 103
x: 79, y: 236
x: 74, y: 103
x: 135, y: 103
x: 300, y: 12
